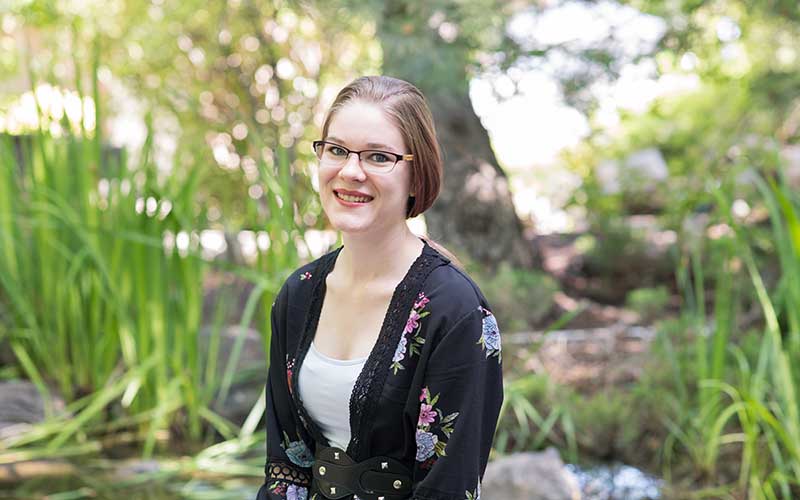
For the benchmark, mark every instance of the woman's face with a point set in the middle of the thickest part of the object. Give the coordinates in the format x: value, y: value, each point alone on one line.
x: 358, y: 126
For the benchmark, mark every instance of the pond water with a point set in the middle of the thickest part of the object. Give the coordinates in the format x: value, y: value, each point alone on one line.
x: 597, y: 482
x: 616, y: 482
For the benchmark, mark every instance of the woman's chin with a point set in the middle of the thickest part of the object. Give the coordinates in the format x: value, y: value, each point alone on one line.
x: 350, y: 224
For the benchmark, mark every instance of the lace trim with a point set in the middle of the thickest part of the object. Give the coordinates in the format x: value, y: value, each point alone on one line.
x: 370, y: 382
x: 312, y: 319
x: 286, y: 472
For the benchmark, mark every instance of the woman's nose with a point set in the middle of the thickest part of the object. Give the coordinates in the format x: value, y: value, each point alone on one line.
x: 352, y: 168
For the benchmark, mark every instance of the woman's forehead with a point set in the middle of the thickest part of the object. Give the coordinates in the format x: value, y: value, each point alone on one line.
x: 362, y: 124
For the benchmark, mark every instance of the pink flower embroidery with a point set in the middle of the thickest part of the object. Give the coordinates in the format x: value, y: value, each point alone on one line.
x: 289, y: 371
x: 432, y: 438
x: 422, y: 301
x: 411, y: 340
x: 305, y: 276
x: 426, y: 414
x: 413, y: 322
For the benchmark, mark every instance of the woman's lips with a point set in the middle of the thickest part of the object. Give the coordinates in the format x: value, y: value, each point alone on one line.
x: 351, y: 200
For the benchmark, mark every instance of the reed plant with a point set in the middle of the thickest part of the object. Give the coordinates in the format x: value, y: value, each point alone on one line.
x: 101, y: 290
x: 727, y: 394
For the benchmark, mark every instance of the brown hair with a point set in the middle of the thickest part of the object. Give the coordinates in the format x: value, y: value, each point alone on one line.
x: 406, y: 107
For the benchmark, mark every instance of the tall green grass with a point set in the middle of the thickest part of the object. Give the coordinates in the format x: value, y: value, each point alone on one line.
x: 101, y: 290
x: 730, y: 394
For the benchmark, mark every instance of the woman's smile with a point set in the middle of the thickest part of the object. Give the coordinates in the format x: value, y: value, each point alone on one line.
x: 351, y: 198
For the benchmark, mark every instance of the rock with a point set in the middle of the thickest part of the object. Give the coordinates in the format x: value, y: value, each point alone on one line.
x: 250, y: 373
x: 529, y: 476
x: 22, y: 406
x: 130, y: 469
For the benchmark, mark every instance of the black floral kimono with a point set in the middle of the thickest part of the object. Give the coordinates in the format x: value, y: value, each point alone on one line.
x: 429, y: 393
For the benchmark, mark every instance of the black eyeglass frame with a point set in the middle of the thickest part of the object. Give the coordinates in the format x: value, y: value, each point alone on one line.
x: 397, y: 157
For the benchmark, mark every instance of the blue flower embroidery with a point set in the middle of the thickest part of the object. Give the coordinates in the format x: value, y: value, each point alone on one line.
x: 298, y: 452
x: 426, y: 445
x: 295, y: 492
x: 490, y: 335
x: 400, y: 351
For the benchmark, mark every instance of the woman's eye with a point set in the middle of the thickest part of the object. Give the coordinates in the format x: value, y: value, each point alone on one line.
x: 336, y: 150
x: 378, y: 157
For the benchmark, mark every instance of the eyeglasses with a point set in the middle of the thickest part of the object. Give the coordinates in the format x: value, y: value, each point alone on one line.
x: 332, y: 154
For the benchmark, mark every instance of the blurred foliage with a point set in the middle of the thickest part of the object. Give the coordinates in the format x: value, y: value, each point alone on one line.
x: 741, y: 59
x: 237, y: 90
x: 649, y: 303
x: 520, y: 299
x: 229, y: 84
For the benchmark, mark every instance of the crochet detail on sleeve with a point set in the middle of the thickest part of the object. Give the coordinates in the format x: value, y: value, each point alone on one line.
x: 286, y: 472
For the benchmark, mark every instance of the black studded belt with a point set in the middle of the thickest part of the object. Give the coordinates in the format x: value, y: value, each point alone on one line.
x: 336, y: 475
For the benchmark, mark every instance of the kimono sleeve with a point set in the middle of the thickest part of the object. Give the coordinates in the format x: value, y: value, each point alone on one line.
x: 459, y: 406
x: 287, y: 469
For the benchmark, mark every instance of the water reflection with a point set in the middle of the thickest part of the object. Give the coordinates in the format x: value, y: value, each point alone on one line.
x: 616, y: 482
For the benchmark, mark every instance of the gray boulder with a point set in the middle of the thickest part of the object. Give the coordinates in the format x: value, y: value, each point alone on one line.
x: 529, y: 476
x: 20, y: 406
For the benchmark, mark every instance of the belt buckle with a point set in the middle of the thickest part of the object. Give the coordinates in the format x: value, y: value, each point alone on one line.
x: 331, y: 473
x: 336, y: 475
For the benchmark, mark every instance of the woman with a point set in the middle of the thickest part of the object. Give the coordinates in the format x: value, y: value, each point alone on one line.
x: 385, y: 378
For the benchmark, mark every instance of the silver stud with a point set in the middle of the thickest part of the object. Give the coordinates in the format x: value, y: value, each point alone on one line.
x: 322, y: 470
x: 381, y: 498
x: 384, y: 465
x: 336, y: 455
x: 333, y: 490
x: 397, y: 484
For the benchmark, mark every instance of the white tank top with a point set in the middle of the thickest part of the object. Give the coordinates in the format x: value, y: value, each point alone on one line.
x: 325, y: 385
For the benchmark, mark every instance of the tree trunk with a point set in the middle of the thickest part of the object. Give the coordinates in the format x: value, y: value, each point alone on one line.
x: 475, y: 212
x: 474, y: 215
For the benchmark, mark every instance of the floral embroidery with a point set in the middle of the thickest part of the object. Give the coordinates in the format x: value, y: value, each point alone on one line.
x: 429, y: 445
x: 297, y: 451
x: 474, y: 495
x: 305, y: 276
x: 294, y: 492
x: 289, y: 491
x: 289, y: 371
x: 490, y: 335
x: 426, y: 445
x: 278, y: 487
x: 411, y: 340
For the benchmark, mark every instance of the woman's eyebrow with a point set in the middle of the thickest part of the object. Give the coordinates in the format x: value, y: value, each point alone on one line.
x: 377, y: 145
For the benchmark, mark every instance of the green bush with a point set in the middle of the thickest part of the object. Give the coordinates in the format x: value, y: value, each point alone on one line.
x: 648, y: 302
x: 519, y: 298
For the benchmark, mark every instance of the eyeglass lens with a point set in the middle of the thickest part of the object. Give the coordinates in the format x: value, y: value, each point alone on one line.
x: 333, y: 154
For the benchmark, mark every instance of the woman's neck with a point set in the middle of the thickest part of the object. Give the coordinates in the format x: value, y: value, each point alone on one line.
x: 366, y: 259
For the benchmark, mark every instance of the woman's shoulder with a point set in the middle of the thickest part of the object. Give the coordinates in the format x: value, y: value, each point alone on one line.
x: 451, y: 289
x: 299, y: 282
